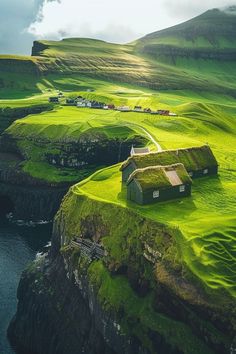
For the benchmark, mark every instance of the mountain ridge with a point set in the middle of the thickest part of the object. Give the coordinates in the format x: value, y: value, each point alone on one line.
x: 174, y: 58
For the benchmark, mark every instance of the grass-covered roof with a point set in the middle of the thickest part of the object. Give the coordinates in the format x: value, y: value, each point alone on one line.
x: 193, y: 159
x: 156, y: 177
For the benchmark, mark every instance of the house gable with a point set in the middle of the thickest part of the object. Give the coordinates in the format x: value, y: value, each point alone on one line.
x: 127, y: 171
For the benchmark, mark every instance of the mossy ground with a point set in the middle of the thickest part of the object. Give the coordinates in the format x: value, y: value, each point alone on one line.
x: 124, y: 242
x: 139, y: 319
x: 206, y: 221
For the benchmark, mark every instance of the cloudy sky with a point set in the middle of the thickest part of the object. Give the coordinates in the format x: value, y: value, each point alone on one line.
x: 22, y: 21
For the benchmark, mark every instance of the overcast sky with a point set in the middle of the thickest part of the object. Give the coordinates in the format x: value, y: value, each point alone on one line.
x: 22, y: 21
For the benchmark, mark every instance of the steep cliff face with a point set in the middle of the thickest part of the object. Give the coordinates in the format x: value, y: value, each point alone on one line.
x: 172, y: 54
x: 92, y: 147
x: 36, y: 190
x: 19, y: 65
x: 25, y: 197
x: 53, y: 299
x: 50, y: 292
x: 98, y: 150
x: 70, y: 301
x: 8, y: 114
x: 38, y: 48
x: 30, y: 203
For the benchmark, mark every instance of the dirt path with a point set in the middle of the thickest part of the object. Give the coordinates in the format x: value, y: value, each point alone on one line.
x: 158, y: 146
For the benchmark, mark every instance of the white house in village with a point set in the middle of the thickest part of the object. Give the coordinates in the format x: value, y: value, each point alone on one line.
x: 123, y: 109
x: 84, y: 104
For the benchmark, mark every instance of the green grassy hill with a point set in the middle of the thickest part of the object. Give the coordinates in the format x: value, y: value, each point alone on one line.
x: 214, y: 29
x: 198, y: 55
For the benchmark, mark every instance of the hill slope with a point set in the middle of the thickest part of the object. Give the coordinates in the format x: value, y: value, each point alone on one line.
x: 198, y: 54
x: 213, y: 29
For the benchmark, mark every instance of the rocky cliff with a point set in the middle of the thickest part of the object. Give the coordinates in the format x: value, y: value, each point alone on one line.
x: 25, y: 197
x: 172, y: 54
x: 8, y: 114
x: 76, y: 322
x: 37, y: 197
x: 137, y: 298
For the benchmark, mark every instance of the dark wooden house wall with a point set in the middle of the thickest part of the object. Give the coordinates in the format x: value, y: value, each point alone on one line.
x: 166, y: 194
x: 134, y: 194
x: 200, y: 173
x: 127, y: 172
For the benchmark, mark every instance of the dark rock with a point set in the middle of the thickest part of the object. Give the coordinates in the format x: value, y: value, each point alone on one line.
x: 56, y: 317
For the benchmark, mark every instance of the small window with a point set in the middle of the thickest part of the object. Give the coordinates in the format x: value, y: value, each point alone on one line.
x: 191, y: 174
x: 156, y: 194
x: 182, y: 189
x: 205, y: 172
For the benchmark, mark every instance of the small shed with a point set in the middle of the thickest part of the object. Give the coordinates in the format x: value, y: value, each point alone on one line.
x: 138, y: 109
x: 54, y: 100
x: 97, y: 105
x: 163, y: 112
x: 158, y: 183
x: 71, y: 102
x: 138, y: 151
x: 198, y: 161
x: 123, y: 109
x: 81, y: 104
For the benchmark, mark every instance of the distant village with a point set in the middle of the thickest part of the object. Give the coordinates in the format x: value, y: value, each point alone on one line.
x: 81, y: 102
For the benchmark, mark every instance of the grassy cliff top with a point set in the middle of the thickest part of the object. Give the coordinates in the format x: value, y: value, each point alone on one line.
x: 80, y: 46
x: 206, y: 219
x: 71, y: 123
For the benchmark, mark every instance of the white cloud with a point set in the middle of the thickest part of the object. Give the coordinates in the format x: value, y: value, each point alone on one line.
x: 192, y: 8
x: 15, y: 17
x: 118, y: 21
x: 21, y: 21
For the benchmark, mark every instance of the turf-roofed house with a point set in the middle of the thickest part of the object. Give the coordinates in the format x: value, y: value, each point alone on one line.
x: 158, y: 183
x: 198, y: 161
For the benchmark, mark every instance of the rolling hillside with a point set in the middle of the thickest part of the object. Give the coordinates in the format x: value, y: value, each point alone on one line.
x: 213, y: 30
x: 198, y: 54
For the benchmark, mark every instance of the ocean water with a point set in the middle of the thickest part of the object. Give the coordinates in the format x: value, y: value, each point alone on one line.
x: 18, y: 246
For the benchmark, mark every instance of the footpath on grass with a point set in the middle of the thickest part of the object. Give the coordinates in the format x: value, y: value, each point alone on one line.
x: 158, y: 146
